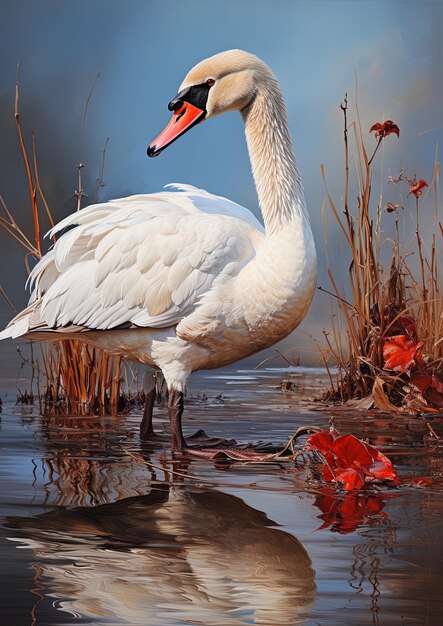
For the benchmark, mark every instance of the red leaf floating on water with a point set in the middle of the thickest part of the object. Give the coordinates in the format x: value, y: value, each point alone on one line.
x: 385, y: 129
x: 328, y: 474
x: 323, y: 441
x: 351, y: 462
x: 351, y: 451
x: 399, y: 352
x: 381, y: 466
x: 417, y: 188
x: 350, y: 479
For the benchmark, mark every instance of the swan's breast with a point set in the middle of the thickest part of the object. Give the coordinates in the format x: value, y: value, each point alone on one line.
x: 260, y: 306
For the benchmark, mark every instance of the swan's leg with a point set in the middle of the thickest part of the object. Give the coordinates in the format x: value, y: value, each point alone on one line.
x: 146, y: 429
x: 180, y: 447
x: 175, y: 410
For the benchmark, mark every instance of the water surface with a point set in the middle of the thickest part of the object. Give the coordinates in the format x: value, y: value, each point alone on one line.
x: 97, y: 528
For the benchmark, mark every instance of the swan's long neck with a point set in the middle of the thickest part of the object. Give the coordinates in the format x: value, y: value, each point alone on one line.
x: 275, y: 172
x: 277, y: 286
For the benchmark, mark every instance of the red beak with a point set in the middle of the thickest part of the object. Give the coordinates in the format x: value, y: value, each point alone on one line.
x: 182, y: 120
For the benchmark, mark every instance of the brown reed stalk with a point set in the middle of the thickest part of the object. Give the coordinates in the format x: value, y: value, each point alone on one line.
x: 77, y: 379
x: 376, y: 297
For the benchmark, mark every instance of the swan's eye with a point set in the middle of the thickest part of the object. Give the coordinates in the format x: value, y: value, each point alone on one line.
x: 210, y: 82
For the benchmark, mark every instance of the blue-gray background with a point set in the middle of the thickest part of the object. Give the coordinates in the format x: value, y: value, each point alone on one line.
x: 134, y: 54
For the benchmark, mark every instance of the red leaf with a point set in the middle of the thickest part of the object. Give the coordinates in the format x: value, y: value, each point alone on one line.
x: 382, y: 468
x: 322, y: 441
x: 408, y: 325
x: 431, y: 387
x: 328, y: 476
x: 350, y: 461
x: 351, y: 451
x: 437, y: 382
x: 376, y: 127
x: 421, y: 380
x: 385, y: 129
x: 350, y: 479
x: 434, y: 397
x: 417, y: 188
x: 399, y: 352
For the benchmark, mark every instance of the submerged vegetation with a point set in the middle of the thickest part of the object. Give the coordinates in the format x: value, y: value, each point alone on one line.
x: 387, y: 337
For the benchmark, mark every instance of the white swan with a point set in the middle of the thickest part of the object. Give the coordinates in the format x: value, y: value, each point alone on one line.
x: 185, y: 280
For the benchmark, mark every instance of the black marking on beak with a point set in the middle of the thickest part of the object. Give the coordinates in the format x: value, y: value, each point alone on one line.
x: 196, y: 95
x: 177, y: 102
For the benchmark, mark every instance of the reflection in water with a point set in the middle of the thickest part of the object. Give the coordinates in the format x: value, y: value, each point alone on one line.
x: 344, y: 513
x: 175, y: 556
x: 119, y: 546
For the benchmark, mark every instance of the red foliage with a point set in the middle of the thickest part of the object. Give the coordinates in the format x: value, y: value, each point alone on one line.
x: 417, y: 188
x: 402, y: 352
x: 385, y: 129
x: 350, y: 462
x: 408, y: 325
x: 399, y: 352
x: 350, y: 478
x: 401, y: 325
x: 430, y: 385
x: 344, y: 514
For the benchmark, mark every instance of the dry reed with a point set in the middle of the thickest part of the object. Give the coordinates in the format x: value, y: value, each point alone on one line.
x: 72, y: 378
x: 394, y: 306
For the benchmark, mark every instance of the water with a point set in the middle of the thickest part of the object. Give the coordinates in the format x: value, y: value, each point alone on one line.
x: 99, y: 529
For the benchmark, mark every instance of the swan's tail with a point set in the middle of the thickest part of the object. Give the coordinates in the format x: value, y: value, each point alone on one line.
x: 28, y: 323
x: 23, y: 323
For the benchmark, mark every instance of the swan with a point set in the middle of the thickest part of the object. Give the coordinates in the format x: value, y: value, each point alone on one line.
x: 184, y: 280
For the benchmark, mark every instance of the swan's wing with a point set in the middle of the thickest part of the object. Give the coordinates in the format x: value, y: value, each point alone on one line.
x: 143, y: 260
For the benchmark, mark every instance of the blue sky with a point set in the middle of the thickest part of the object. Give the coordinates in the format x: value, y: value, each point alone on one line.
x: 141, y: 51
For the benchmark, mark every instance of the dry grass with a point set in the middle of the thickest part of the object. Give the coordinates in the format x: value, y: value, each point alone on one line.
x: 381, y: 301
x: 71, y: 378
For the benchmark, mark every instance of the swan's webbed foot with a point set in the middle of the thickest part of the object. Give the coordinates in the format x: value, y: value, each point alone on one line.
x: 201, y: 440
x: 200, y: 445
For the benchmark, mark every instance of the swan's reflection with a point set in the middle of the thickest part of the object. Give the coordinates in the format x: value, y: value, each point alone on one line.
x: 178, y: 555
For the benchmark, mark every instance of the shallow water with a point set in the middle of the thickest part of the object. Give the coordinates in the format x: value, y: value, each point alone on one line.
x: 99, y: 529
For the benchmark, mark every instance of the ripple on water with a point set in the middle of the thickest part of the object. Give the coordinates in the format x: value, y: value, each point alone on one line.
x: 97, y: 528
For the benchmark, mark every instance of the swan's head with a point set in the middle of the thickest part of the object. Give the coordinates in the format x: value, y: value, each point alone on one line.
x: 227, y: 81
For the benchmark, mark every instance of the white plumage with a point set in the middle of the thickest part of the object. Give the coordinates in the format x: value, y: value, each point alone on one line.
x: 184, y: 280
x: 144, y: 260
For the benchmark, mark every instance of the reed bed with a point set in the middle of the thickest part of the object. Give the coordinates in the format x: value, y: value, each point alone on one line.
x: 386, y: 336
x: 71, y: 377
